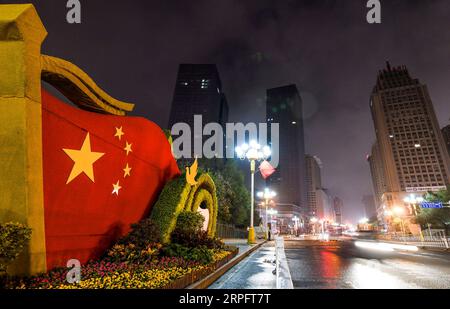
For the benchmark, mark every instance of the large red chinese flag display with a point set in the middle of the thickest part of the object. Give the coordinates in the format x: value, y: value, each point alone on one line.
x: 101, y: 173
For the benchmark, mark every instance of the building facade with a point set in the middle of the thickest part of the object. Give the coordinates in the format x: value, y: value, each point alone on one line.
x: 338, y: 205
x: 411, y: 147
x: 378, y: 180
x: 284, y: 106
x: 198, y: 91
x: 446, y: 135
x: 313, y: 183
x: 369, y: 206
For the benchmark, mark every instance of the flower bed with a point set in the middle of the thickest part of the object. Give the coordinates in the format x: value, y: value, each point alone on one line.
x: 140, y: 261
x: 167, y: 273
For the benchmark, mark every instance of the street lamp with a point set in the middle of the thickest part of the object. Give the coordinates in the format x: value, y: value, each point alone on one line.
x: 252, y: 152
x: 296, y: 220
x: 272, y: 212
x: 267, y: 195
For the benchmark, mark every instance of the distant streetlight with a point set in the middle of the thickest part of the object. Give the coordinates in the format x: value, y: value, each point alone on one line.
x: 296, y: 220
x: 267, y: 195
x: 314, y: 221
x: 398, y: 210
x: 364, y: 221
x: 252, y: 152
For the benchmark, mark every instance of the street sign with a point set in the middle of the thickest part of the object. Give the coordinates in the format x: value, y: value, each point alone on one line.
x: 431, y: 205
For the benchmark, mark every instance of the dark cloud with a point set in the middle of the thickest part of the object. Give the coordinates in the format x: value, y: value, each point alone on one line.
x: 133, y: 48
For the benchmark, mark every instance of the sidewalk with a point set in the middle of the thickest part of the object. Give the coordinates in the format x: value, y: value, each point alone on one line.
x: 254, y: 272
x: 257, y: 271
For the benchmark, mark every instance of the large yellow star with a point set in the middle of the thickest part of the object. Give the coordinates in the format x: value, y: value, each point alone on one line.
x: 84, y: 160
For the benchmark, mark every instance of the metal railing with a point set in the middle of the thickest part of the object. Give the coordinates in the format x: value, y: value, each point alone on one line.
x: 229, y: 231
x: 434, y: 241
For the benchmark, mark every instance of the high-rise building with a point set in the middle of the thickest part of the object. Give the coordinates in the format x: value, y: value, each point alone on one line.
x: 411, y: 147
x: 446, y: 135
x: 338, y: 205
x: 284, y: 106
x: 378, y: 181
x: 313, y: 183
x: 198, y: 91
x: 369, y: 206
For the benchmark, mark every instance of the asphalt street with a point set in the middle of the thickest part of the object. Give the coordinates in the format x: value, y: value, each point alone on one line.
x: 342, y: 265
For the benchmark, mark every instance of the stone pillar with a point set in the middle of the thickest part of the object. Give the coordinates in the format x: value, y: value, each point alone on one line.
x: 21, y: 180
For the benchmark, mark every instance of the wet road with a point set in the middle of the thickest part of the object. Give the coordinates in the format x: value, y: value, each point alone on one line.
x: 341, y: 265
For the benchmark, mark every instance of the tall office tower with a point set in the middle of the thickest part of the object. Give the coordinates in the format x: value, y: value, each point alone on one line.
x: 338, y: 205
x: 198, y: 91
x: 378, y: 181
x: 369, y: 206
x: 324, y: 207
x: 284, y: 106
x: 313, y: 183
x: 446, y: 134
x: 412, y: 149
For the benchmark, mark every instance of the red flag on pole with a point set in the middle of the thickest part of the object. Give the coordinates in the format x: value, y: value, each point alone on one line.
x: 266, y: 169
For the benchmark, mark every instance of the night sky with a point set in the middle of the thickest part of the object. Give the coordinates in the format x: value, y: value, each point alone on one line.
x: 132, y: 50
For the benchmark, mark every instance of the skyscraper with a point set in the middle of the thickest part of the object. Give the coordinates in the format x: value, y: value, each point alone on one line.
x: 284, y: 106
x: 369, y: 206
x: 446, y: 135
x: 411, y: 147
x: 338, y: 205
x: 313, y: 183
x: 378, y: 181
x: 198, y: 91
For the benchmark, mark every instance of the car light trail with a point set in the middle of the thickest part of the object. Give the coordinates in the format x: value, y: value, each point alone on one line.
x: 373, y: 246
x: 386, y: 247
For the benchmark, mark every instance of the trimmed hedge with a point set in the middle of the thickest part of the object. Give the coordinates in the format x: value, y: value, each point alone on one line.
x: 178, y: 196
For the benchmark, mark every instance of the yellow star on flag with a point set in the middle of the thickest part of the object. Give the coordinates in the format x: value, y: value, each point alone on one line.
x: 119, y: 133
x: 128, y: 148
x: 83, y: 159
x: 127, y: 171
x: 116, y: 189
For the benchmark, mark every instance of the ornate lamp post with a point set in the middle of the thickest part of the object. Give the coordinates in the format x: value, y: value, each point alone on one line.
x: 252, y: 152
x: 267, y: 195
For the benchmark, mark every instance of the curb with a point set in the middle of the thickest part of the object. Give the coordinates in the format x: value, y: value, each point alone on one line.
x: 210, y: 279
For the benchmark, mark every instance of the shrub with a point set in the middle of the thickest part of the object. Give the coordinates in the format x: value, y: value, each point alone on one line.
x: 138, y: 246
x: 189, y: 222
x: 142, y: 234
x: 197, y: 239
x: 202, y: 254
x: 13, y: 238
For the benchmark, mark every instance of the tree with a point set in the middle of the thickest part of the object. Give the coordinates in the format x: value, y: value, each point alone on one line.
x: 439, y: 218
